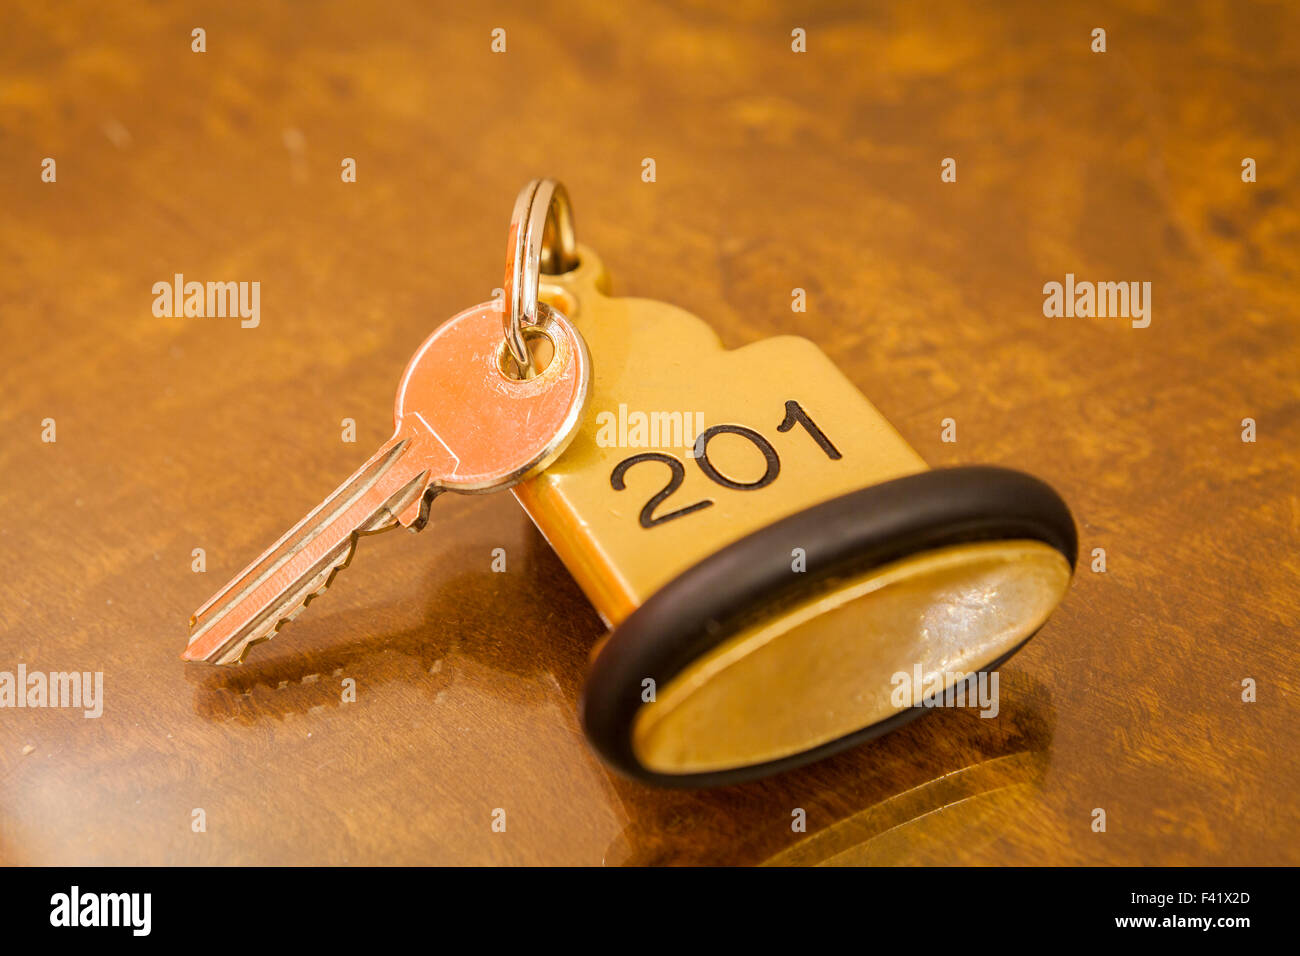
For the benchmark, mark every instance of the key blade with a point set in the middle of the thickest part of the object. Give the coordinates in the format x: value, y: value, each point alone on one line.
x: 272, y: 590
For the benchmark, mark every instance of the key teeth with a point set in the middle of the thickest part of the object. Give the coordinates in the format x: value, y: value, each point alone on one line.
x: 249, y: 643
x: 408, y: 500
x: 422, y: 516
x: 253, y: 642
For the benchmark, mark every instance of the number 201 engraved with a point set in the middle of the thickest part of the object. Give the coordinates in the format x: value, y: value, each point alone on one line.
x: 794, y: 415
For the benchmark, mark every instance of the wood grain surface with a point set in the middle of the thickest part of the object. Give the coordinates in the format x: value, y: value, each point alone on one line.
x: 775, y: 170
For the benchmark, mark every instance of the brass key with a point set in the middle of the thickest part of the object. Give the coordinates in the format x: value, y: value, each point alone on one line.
x: 465, y: 421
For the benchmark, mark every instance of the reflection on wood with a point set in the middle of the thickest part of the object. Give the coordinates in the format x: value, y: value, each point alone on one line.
x: 966, y: 807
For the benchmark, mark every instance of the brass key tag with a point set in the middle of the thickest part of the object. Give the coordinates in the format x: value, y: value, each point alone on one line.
x: 770, y: 553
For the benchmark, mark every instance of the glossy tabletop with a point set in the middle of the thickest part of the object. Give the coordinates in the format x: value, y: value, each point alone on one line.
x: 774, y: 170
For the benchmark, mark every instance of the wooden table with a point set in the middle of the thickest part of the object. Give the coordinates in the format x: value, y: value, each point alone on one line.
x: 774, y: 170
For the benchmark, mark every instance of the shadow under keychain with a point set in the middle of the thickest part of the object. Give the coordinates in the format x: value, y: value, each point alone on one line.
x: 783, y: 576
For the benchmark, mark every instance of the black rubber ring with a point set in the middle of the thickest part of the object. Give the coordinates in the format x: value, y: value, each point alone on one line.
x: 751, y: 578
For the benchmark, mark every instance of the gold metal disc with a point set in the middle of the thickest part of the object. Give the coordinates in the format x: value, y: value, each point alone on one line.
x: 827, y: 667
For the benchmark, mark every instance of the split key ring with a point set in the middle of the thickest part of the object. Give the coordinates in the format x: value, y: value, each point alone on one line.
x: 542, y: 239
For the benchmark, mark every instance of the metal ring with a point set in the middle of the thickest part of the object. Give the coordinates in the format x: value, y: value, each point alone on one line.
x: 542, y: 239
